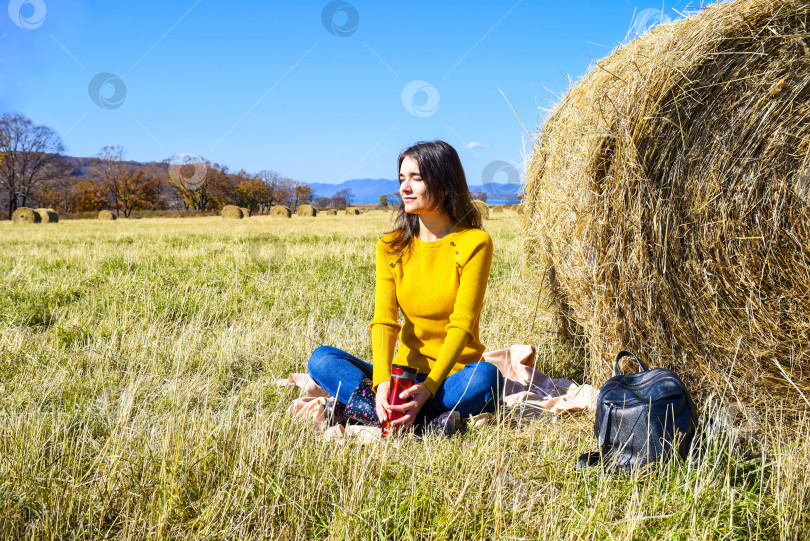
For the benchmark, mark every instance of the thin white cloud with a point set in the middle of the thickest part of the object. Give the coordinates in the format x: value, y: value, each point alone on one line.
x: 475, y: 144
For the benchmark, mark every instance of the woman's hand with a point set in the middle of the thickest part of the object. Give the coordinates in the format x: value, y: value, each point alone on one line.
x: 418, y: 394
x: 382, y: 400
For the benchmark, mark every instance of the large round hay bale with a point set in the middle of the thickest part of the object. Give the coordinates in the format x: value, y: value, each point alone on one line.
x: 331, y: 212
x: 364, y: 210
x: 307, y: 211
x: 668, y: 203
x: 352, y: 211
x: 497, y: 209
x: 280, y: 211
x: 25, y: 215
x: 231, y: 212
x: 245, y: 212
x: 482, y: 207
x: 48, y: 216
x: 107, y: 215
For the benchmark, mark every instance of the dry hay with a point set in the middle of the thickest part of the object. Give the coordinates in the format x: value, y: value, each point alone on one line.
x: 668, y: 203
x: 497, y: 209
x: 353, y: 211
x: 280, y: 211
x: 107, y: 215
x: 25, y: 215
x: 482, y: 207
x: 364, y: 210
x: 48, y: 216
x: 232, y: 212
x: 245, y: 212
x: 331, y: 212
x: 307, y: 211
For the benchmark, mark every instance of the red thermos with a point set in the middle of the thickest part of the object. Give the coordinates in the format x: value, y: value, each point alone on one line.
x: 402, y: 377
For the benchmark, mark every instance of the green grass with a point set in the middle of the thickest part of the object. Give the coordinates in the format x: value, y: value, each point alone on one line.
x: 137, y: 361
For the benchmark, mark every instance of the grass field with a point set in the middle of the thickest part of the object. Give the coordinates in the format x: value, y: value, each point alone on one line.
x: 137, y: 361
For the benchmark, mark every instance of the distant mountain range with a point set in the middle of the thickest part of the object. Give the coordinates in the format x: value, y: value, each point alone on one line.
x: 83, y: 167
x: 369, y: 190
x: 364, y: 190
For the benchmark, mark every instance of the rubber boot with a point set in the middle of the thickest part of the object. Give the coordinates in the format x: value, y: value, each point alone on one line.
x: 335, y: 412
x: 446, y: 424
x: 362, y: 405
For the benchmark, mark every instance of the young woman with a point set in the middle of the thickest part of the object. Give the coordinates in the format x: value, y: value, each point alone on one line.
x: 433, y: 266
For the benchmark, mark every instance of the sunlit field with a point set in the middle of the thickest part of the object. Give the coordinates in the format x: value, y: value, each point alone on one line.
x: 137, y: 399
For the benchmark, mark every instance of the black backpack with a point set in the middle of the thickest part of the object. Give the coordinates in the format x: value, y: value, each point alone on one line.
x: 640, y: 417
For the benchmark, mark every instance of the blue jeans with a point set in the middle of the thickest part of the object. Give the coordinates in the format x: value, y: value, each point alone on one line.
x: 470, y: 391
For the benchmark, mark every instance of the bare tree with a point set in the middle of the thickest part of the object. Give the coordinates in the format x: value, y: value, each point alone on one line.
x: 345, y: 193
x: 276, y: 189
x: 338, y: 202
x: 394, y: 198
x: 30, y: 158
x: 281, y: 189
x: 481, y: 195
x: 322, y: 202
x: 59, y: 192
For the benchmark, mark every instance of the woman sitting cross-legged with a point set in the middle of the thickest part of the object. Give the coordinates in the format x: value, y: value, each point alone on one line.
x: 434, y: 266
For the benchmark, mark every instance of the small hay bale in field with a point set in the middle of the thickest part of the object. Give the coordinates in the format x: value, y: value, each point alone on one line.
x: 107, y: 215
x: 497, y: 209
x: 307, y: 211
x: 331, y: 212
x: 49, y: 216
x: 668, y: 203
x: 25, y: 215
x: 482, y: 207
x: 352, y: 211
x: 364, y: 210
x: 245, y: 212
x: 280, y: 211
x: 231, y: 212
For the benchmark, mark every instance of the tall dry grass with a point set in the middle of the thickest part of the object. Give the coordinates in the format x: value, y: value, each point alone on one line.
x: 137, y: 361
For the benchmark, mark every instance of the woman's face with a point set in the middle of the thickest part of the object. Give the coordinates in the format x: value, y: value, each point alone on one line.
x: 413, y: 189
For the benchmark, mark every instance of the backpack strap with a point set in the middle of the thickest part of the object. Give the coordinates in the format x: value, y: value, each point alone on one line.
x: 625, y: 353
x: 601, y: 436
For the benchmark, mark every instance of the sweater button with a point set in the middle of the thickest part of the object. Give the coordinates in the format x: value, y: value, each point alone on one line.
x: 452, y: 243
x: 391, y: 264
x: 456, y: 252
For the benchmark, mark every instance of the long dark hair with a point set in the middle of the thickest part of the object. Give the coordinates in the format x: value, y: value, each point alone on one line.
x: 446, y: 185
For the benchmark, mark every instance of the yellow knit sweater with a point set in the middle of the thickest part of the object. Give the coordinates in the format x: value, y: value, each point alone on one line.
x: 440, y: 288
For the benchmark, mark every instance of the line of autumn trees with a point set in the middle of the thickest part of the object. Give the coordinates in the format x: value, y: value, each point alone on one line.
x: 35, y: 173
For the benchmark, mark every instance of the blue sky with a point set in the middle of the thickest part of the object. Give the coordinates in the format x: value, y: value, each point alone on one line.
x: 319, y: 91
